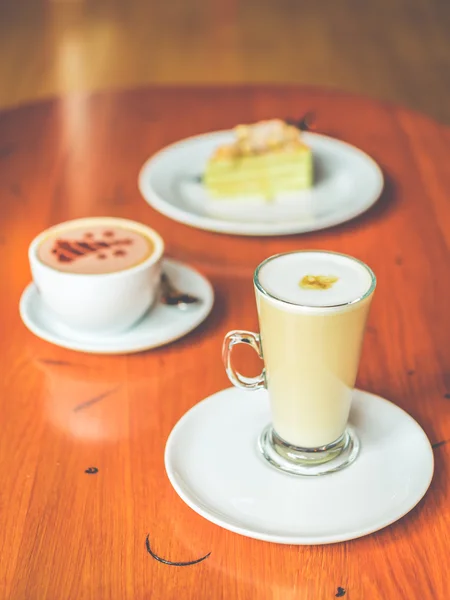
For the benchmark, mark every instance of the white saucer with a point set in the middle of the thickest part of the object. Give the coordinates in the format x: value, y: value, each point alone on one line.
x: 213, y: 463
x: 161, y: 325
x: 347, y: 183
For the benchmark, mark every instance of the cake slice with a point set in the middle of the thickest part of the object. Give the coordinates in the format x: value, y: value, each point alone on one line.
x: 265, y: 159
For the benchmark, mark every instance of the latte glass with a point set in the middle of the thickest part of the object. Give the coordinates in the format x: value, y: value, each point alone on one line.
x: 312, y: 310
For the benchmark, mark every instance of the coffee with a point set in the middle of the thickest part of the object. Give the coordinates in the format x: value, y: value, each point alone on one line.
x: 311, y: 327
x: 96, y: 249
x: 98, y: 275
x: 312, y: 308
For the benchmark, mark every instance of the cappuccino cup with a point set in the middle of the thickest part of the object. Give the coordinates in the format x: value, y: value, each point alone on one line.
x: 97, y: 275
x: 312, y: 309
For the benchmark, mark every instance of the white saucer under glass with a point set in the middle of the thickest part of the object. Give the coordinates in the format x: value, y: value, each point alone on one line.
x: 160, y: 325
x: 214, y: 463
x: 347, y: 182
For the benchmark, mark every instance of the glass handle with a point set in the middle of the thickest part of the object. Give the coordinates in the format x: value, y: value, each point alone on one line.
x: 251, y: 339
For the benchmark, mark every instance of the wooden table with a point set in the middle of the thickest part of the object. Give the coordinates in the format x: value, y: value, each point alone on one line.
x: 70, y: 534
x: 396, y: 50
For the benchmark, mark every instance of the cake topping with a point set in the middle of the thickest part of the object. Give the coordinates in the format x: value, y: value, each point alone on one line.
x: 266, y: 136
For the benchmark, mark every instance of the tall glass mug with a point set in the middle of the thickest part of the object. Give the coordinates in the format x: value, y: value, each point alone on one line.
x: 312, y: 309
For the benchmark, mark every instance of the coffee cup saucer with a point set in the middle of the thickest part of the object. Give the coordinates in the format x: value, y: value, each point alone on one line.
x: 161, y: 325
x: 213, y: 462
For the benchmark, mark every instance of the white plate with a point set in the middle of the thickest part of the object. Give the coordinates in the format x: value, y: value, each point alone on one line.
x: 347, y: 183
x: 161, y: 325
x: 213, y: 463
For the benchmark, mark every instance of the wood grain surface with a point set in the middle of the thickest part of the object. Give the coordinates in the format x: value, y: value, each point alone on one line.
x: 68, y: 533
x: 398, y: 50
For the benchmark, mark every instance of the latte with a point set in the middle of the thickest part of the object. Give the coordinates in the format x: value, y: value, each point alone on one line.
x: 312, y: 310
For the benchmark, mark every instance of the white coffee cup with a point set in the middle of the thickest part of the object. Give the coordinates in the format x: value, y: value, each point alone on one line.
x: 99, y: 303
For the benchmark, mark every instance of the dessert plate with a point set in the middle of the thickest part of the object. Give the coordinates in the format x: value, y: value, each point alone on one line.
x: 213, y: 462
x: 160, y: 325
x: 347, y: 183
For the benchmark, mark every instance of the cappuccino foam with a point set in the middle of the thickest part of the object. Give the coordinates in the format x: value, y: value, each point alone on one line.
x: 95, y: 249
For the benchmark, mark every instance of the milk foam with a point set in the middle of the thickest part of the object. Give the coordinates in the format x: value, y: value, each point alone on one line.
x: 281, y: 277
